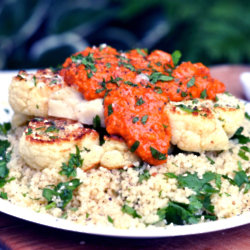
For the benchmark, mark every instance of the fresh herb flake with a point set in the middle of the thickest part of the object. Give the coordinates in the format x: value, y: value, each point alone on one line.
x: 157, y: 155
x: 110, y: 110
x: 134, y: 146
x: 97, y: 122
x: 131, y: 211
x: 191, y: 82
x: 144, y: 119
x: 176, y: 56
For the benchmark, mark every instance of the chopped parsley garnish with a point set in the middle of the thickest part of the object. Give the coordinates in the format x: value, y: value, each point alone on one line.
x: 145, y: 175
x: 139, y: 101
x: 87, y: 61
x: 176, y: 56
x: 110, y: 110
x: 61, y: 194
x: 108, y: 65
x: 75, y: 161
x: 52, y: 128
x: 141, y: 52
x: 158, y: 76
x: 4, y: 128
x: 239, y: 179
x: 191, y: 82
x: 157, y: 155
x: 110, y: 219
x: 210, y: 160
x: 134, y: 146
x: 135, y: 119
x: 3, y: 195
x: 183, y: 94
x: 245, y: 148
x: 115, y: 80
x: 29, y: 132
x: 158, y: 90
x: 131, y: 211
x: 99, y: 90
x: 127, y: 65
x: 185, y: 108
x: 203, y: 94
x: 247, y: 115
x: 241, y: 138
x: 130, y: 84
x: 4, y: 159
x: 199, y: 204
x: 242, y: 155
x: 97, y: 122
x: 34, y: 80
x: 144, y: 119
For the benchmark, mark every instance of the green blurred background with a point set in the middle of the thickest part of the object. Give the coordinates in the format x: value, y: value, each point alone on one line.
x: 42, y: 33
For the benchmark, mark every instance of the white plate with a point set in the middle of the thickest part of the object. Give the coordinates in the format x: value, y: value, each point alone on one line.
x: 150, y: 232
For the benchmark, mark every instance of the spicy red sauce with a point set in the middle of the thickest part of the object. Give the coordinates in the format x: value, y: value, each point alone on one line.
x: 136, y: 86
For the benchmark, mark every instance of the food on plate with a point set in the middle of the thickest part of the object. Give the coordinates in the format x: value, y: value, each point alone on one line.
x: 126, y: 139
x: 47, y: 143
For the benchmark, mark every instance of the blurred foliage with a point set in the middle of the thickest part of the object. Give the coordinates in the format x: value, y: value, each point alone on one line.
x: 41, y: 33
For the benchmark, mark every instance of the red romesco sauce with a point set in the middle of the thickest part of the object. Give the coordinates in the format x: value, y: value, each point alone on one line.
x: 135, y: 87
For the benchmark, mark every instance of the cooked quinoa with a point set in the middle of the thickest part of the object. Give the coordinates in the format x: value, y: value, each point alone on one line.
x: 133, y: 196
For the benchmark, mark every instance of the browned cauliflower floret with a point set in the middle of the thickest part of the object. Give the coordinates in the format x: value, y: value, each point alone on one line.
x: 204, y: 125
x: 47, y: 143
x: 29, y: 93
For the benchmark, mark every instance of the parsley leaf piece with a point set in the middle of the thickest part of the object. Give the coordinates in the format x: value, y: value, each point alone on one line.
x: 191, y: 82
x: 62, y: 193
x: 74, y: 162
x: 88, y: 61
x: 127, y: 65
x: 52, y: 128
x: 110, y: 109
x: 139, y: 101
x: 3, y: 195
x: 110, y: 219
x: 108, y: 65
x: 134, y: 146
x: 144, y: 119
x: 158, y: 90
x: 141, y: 52
x: 29, y: 132
x: 185, y: 108
x: 247, y: 115
x: 157, y: 155
x: 245, y: 148
x: 243, y: 155
x: 4, y: 128
x: 158, y: 76
x: 241, y: 138
x: 130, y: 84
x: 183, y: 94
x: 98, y: 91
x: 34, y: 80
x: 177, y: 213
x: 176, y: 56
x: 203, y: 94
x: 210, y: 160
x: 144, y: 176
x: 131, y: 211
x: 135, y: 119
x: 97, y: 122
x: 240, y: 178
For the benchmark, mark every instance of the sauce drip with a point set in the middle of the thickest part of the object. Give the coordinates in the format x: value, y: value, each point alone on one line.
x: 136, y: 87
